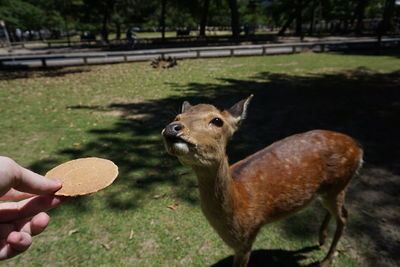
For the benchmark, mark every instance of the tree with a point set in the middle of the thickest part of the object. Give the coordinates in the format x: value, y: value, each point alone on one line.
x: 252, y: 13
x: 53, y: 20
x: 314, y: 7
x: 360, y: 14
x: 21, y: 14
x: 299, y: 17
x: 203, y: 22
x: 234, y: 18
x: 285, y: 8
x: 388, y: 13
x: 162, y: 18
x: 218, y: 13
x: 108, y: 8
x: 98, y: 13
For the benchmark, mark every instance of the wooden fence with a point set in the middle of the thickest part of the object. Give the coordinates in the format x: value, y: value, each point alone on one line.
x: 91, y: 58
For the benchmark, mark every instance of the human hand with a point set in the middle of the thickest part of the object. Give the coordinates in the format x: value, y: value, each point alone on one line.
x: 19, y: 221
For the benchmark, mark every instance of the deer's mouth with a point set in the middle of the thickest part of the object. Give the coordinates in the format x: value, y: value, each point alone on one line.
x: 176, y: 144
x: 177, y: 139
x: 174, y: 139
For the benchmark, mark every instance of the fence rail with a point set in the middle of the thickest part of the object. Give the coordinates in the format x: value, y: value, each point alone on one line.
x: 91, y: 58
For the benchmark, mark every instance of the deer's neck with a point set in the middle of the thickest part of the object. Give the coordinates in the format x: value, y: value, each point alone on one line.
x: 216, y: 188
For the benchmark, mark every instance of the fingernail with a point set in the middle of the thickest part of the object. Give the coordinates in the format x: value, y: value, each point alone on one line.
x: 15, y: 237
x: 56, y: 182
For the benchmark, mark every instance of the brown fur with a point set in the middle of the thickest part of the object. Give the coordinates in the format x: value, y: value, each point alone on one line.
x: 269, y: 185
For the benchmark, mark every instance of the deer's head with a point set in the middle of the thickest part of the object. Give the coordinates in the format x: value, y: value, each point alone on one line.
x: 198, y: 136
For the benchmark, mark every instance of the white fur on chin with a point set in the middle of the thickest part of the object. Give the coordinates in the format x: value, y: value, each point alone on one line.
x: 181, y: 148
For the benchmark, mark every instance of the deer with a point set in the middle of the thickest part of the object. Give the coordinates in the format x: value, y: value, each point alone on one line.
x: 267, y: 186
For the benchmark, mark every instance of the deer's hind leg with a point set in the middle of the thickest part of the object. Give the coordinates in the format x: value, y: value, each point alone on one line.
x: 323, y: 231
x: 335, y: 205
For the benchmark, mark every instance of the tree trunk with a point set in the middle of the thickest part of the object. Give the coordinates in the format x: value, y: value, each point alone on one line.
x: 299, y: 17
x: 385, y: 24
x: 68, y: 37
x: 11, y: 35
x: 346, y: 26
x: 234, y: 19
x: 297, y: 14
x: 108, y: 9
x: 312, y: 21
x: 104, y: 27
x: 387, y: 16
x: 287, y: 24
x: 118, y: 30
x: 359, y: 14
x: 162, y: 19
x: 203, y: 22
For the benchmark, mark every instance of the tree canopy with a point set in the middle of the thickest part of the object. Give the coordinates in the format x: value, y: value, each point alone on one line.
x: 104, y: 16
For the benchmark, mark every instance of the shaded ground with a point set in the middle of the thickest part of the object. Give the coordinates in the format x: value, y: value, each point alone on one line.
x: 274, y: 258
x: 362, y: 103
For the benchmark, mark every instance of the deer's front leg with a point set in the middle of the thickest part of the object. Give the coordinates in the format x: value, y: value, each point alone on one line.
x: 241, y: 258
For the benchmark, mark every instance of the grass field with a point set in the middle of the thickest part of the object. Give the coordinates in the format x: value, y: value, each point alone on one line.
x: 150, y: 216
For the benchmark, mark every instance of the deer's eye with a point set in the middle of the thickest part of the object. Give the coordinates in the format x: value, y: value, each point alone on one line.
x: 217, y: 122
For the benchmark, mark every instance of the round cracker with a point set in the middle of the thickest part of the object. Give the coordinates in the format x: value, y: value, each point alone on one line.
x: 83, y: 176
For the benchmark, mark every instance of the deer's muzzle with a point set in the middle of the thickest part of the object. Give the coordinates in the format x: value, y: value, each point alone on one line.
x: 175, y: 144
x: 173, y: 130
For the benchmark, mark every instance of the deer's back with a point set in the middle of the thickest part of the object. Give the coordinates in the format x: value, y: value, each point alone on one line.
x: 287, y: 174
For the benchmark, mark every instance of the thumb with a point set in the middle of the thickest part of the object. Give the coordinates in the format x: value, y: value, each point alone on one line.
x: 34, y: 183
x: 14, y: 176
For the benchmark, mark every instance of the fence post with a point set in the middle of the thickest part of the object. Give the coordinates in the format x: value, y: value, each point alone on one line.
x: 198, y: 53
x: 44, y: 64
x: 322, y: 47
x: 85, y: 62
x: 294, y: 49
x: 232, y: 51
x: 264, y: 51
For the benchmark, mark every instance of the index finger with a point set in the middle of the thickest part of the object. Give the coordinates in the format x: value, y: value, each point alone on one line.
x: 11, y: 211
x: 13, y: 194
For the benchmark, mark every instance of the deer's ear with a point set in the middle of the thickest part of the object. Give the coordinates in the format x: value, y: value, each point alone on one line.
x: 185, y: 106
x: 239, y: 110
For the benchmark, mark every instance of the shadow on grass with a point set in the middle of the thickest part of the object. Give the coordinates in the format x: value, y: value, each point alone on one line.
x: 362, y: 103
x: 391, y: 52
x: 273, y: 257
x: 12, y: 74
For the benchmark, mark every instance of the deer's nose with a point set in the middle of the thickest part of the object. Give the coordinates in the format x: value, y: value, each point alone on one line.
x: 173, y: 129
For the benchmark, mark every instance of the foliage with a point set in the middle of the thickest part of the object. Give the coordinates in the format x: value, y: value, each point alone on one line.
x: 117, y: 15
x: 21, y: 14
x: 253, y: 12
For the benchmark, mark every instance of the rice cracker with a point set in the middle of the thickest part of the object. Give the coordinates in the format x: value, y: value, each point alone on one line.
x: 83, y: 176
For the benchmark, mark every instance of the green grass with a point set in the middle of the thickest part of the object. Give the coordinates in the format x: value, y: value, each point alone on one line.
x: 117, y: 112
